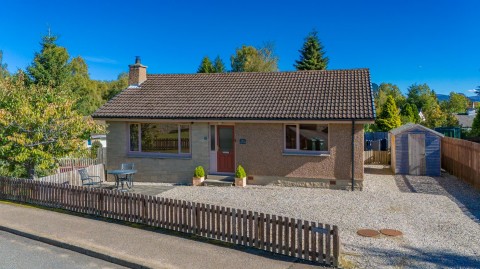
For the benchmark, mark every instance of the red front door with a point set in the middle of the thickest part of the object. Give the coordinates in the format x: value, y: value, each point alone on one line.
x: 226, y: 149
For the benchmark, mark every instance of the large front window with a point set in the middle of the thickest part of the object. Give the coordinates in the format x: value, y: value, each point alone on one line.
x: 162, y: 138
x: 306, y: 137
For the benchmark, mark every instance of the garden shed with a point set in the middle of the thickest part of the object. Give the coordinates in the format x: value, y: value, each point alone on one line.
x: 415, y: 150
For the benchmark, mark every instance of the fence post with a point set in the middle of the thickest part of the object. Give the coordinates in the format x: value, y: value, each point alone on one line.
x: 336, y: 246
x: 197, y: 218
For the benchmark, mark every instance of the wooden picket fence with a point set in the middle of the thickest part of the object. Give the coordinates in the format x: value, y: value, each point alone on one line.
x: 278, y: 234
x: 67, y: 172
x: 376, y: 157
x: 72, y: 177
x: 461, y: 158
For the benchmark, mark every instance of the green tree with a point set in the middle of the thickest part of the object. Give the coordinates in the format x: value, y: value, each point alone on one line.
x: 457, y: 103
x: 251, y: 59
x: 435, y: 117
x: 389, y: 118
x: 206, y: 66
x: 312, y: 54
x: 476, y: 125
x: 50, y: 67
x: 385, y: 90
x: 112, y: 88
x: 407, y: 115
x: 416, y: 115
x: 218, y: 65
x: 84, y: 90
x: 422, y: 96
x: 3, y: 67
x: 451, y: 121
x: 37, y: 126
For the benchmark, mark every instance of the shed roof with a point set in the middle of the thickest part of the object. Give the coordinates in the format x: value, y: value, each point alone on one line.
x: 300, y: 95
x: 410, y: 126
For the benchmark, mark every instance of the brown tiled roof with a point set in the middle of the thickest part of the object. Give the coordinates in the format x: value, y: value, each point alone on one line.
x: 301, y: 95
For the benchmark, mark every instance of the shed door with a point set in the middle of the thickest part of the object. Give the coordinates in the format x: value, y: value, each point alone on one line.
x: 416, y: 154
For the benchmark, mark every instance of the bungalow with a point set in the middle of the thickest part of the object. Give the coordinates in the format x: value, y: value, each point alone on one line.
x: 293, y: 128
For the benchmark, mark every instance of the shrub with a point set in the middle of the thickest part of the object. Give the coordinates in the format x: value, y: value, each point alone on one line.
x: 94, y: 148
x: 199, y: 172
x: 240, y: 173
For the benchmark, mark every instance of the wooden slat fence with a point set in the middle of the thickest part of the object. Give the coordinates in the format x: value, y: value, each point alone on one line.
x: 69, y: 164
x: 292, y: 237
x: 461, y: 158
x: 376, y: 157
x: 72, y: 177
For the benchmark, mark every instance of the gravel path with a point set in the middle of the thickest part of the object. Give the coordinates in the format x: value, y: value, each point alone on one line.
x: 437, y: 232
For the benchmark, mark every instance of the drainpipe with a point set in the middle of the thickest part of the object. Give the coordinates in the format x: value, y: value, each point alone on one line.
x: 353, y: 153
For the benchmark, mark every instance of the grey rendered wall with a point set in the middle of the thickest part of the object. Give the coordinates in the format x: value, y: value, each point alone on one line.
x: 154, y: 169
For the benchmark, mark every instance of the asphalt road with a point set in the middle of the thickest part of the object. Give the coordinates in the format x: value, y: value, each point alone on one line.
x: 18, y: 252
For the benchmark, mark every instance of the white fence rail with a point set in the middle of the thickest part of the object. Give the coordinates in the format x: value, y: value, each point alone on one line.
x: 72, y: 177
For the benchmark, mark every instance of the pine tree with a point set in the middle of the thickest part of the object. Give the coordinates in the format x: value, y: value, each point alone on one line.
x: 206, y: 66
x: 50, y: 67
x: 312, y: 54
x: 389, y: 118
x: 218, y: 65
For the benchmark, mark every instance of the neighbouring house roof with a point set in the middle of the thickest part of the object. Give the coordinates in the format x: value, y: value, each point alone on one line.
x: 410, y: 126
x: 300, y: 95
x: 465, y: 120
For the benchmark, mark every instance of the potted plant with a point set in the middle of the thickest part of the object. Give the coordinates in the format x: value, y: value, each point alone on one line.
x: 198, y: 176
x: 240, y: 177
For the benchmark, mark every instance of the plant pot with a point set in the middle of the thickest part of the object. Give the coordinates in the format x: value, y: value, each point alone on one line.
x: 240, y: 181
x: 197, y: 181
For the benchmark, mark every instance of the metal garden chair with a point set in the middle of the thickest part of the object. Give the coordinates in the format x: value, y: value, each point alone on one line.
x: 88, y: 180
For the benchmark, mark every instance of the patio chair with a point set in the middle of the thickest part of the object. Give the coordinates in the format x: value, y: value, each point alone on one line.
x: 128, y: 179
x: 88, y: 180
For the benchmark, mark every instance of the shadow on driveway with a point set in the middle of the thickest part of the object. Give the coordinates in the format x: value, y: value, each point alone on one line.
x: 461, y: 193
x: 411, y: 257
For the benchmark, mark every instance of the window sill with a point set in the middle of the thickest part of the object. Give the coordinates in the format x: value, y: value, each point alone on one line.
x: 159, y: 156
x: 305, y: 153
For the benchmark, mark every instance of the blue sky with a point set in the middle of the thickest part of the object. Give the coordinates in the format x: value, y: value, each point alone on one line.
x: 402, y: 42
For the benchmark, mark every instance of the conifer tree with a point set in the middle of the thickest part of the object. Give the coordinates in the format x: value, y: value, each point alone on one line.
x: 389, y: 118
x: 218, y: 65
x: 312, y: 54
x: 50, y: 67
x: 206, y: 66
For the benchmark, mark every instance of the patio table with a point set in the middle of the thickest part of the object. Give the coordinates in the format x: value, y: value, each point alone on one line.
x: 127, y: 173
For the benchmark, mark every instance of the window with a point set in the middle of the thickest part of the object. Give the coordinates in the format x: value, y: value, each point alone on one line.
x: 162, y: 138
x: 306, y: 137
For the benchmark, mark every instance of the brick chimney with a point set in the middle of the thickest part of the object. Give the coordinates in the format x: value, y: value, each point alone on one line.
x: 137, y: 73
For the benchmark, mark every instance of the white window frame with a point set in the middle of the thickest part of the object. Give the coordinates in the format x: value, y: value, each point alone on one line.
x: 297, y: 140
x: 159, y: 154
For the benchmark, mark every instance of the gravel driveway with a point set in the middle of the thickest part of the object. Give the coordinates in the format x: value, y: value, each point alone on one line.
x: 440, y: 227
